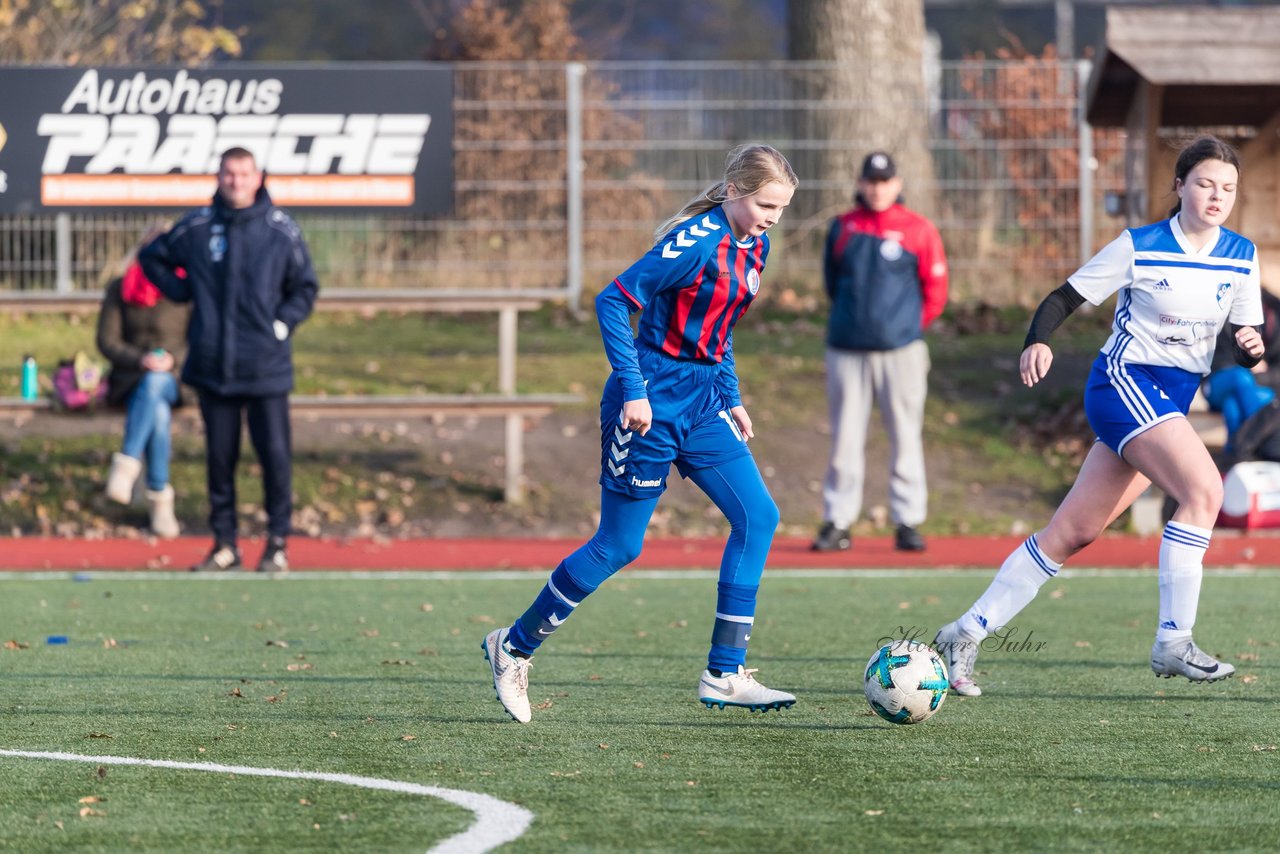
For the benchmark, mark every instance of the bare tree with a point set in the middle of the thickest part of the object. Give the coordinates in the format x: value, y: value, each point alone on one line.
x: 105, y: 32
x: 522, y: 145
x: 874, y: 94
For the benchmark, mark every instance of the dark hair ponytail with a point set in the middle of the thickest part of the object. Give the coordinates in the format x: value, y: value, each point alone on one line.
x: 1196, y: 152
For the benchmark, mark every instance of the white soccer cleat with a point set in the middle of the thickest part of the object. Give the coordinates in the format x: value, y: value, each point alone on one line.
x: 741, y: 689
x: 1184, y: 658
x: 510, y: 675
x: 961, y: 654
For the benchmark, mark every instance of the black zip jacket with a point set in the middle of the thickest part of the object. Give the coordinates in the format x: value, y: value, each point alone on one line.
x: 246, y: 268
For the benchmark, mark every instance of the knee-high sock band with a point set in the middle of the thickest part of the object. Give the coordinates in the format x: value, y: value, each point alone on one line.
x: 1013, y: 588
x: 735, y: 615
x: 616, y: 543
x: 553, y: 605
x: 1182, y: 551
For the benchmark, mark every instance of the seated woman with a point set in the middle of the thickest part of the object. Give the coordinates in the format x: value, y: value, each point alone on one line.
x: 144, y: 336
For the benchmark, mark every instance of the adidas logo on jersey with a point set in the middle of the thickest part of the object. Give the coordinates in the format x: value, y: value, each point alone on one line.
x: 1162, y: 285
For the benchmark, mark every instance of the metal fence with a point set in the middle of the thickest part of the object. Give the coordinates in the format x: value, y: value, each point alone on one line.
x: 1017, y: 180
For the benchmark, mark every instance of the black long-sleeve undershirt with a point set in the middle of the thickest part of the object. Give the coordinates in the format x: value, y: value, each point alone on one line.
x: 1054, y: 309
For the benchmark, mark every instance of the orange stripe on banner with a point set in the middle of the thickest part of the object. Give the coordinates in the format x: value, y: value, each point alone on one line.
x: 185, y: 190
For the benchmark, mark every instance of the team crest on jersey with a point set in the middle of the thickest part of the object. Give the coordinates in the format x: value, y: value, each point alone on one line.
x: 1224, y: 293
x: 891, y: 250
x: 218, y: 243
x: 753, y: 280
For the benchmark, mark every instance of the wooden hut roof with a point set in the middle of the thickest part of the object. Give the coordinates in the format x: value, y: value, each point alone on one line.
x: 1218, y: 66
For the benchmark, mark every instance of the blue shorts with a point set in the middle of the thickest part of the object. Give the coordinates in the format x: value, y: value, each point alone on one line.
x: 692, y: 427
x: 1123, y: 400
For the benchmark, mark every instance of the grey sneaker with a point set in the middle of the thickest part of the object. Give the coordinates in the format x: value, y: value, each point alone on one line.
x: 1184, y: 658
x: 960, y: 654
x: 223, y: 558
x: 831, y: 539
x: 510, y: 675
x: 274, y: 558
x: 741, y: 689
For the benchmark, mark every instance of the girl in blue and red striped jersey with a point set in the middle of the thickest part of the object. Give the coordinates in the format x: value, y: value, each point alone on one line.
x: 673, y: 398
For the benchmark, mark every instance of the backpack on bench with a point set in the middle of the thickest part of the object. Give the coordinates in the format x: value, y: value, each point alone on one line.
x: 78, y: 384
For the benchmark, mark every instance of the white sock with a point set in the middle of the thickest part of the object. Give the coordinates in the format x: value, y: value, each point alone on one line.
x: 1182, y: 551
x: 1013, y: 588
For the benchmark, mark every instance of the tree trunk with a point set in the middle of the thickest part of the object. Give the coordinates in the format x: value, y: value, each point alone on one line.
x: 875, y: 96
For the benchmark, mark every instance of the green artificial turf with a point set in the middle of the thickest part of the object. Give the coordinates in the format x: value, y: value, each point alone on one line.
x: 1075, y: 745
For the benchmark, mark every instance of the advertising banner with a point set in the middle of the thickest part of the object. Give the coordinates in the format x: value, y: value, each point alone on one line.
x: 328, y: 136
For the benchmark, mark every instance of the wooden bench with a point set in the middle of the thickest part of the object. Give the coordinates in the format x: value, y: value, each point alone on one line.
x: 507, y: 303
x: 514, y: 409
x: 331, y: 299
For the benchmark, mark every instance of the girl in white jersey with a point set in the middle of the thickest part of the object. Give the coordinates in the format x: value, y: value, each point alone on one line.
x: 1178, y: 282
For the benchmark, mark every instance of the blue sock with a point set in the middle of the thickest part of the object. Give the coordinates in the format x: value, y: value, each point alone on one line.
x: 557, y: 600
x: 735, y: 614
x: 616, y: 543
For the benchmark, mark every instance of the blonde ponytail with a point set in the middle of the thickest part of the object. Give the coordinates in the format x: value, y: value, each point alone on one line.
x: 713, y: 195
x: 748, y: 168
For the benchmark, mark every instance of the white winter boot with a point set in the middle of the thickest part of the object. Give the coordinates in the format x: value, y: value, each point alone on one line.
x: 163, y: 522
x: 123, y: 475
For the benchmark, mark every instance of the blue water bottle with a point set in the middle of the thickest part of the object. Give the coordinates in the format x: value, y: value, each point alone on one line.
x: 30, y: 378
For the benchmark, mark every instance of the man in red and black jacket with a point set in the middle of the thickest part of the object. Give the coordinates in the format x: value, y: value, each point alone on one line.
x: 886, y: 275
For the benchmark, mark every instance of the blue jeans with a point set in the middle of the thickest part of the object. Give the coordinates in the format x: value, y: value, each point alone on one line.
x: 146, y: 425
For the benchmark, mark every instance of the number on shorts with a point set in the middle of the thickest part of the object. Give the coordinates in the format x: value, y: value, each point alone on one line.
x: 733, y: 425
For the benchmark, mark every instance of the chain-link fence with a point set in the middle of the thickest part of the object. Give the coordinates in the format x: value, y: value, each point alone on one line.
x: 1017, y: 183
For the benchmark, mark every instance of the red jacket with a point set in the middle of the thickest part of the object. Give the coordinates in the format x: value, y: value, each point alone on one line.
x: 886, y: 275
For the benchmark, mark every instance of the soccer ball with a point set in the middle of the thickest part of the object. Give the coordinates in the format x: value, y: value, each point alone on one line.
x: 905, y: 682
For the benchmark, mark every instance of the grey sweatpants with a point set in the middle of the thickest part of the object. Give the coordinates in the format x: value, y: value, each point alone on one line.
x: 897, y: 382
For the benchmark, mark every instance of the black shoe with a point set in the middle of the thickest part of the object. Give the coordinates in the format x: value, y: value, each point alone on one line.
x: 222, y: 559
x: 908, y: 539
x: 831, y: 539
x: 273, y: 557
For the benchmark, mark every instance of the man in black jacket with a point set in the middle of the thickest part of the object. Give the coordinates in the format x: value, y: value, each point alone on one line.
x: 250, y: 281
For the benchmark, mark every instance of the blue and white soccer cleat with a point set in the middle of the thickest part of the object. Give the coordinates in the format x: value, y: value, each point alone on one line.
x: 741, y: 689
x: 1184, y: 658
x: 510, y: 675
x: 961, y: 654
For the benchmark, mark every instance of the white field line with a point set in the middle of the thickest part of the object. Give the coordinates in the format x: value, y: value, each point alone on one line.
x: 497, y: 822
x: 637, y: 574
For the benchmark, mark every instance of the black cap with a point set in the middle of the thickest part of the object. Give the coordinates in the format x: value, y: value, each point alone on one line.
x: 878, y: 166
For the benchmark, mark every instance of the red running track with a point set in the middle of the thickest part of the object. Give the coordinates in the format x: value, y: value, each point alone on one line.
x: 1229, y: 549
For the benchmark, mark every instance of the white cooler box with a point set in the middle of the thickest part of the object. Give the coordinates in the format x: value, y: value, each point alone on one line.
x: 1251, y: 496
